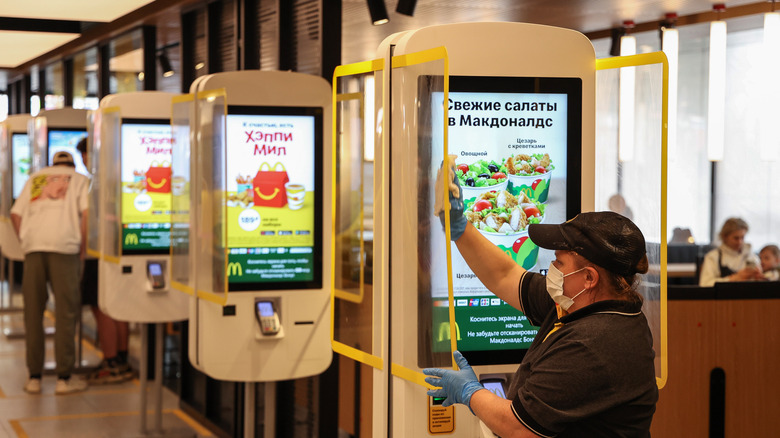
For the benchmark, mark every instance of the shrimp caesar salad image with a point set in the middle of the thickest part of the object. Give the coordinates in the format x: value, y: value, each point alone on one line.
x: 502, y: 212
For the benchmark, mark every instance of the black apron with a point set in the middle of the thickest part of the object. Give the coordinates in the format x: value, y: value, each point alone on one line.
x: 725, y: 271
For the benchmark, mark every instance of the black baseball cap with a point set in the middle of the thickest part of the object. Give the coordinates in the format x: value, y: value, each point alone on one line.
x: 605, y: 238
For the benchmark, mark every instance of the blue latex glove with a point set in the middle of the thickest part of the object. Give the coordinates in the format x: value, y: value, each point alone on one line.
x: 457, y: 386
x: 457, y: 220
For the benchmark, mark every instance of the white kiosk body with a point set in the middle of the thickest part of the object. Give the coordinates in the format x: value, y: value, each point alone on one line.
x: 514, y: 89
x: 131, y: 194
x: 15, y: 168
x: 258, y: 233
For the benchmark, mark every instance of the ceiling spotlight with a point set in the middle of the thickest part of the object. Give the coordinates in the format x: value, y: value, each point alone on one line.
x: 378, y: 12
x: 406, y: 7
x: 165, y: 63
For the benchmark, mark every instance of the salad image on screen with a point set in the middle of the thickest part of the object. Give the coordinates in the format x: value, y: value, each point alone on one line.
x: 481, y: 174
x: 530, y: 174
x: 503, y: 213
x: 535, y: 164
x: 517, y: 141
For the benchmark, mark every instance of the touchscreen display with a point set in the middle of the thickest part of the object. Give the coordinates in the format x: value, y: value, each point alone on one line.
x: 146, y: 186
x: 274, y: 197
x: 66, y: 140
x: 155, y: 269
x: 264, y: 308
x: 495, y: 387
x: 21, y: 161
x: 517, y: 142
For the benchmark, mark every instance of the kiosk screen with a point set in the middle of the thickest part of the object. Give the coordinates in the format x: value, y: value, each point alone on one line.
x: 146, y: 186
x: 21, y: 160
x: 66, y: 139
x: 518, y: 147
x: 274, y: 197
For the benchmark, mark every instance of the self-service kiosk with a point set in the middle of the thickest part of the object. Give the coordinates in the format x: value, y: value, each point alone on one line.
x: 132, y: 198
x: 250, y: 226
x: 515, y: 104
x: 259, y: 175
x: 15, y: 169
x: 130, y: 205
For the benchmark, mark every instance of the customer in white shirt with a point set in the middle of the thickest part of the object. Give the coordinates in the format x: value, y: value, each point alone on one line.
x: 50, y: 219
x: 733, y: 260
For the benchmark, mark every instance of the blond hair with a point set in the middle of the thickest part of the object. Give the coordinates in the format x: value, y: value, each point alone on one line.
x: 731, y: 225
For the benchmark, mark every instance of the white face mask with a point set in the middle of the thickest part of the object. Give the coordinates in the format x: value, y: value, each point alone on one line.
x: 555, y: 287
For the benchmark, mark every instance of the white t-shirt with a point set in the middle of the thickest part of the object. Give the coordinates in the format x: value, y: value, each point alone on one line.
x: 50, y: 206
x: 736, y: 261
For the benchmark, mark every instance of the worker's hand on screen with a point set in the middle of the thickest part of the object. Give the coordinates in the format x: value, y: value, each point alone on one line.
x: 455, y: 195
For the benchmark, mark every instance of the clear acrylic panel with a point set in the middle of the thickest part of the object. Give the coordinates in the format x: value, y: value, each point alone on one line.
x: 357, y: 98
x: 419, y: 84
x: 110, y: 178
x: 93, y: 213
x: 631, y: 170
x: 5, y: 170
x: 182, y: 111
x: 37, y: 130
x: 210, y: 188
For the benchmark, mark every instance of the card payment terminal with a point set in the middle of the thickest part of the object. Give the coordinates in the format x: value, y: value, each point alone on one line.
x: 267, y: 317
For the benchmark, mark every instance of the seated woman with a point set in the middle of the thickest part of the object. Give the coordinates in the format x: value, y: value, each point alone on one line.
x: 733, y: 259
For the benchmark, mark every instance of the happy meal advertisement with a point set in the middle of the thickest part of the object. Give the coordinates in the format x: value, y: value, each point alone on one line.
x: 146, y: 173
x: 270, y: 197
x: 146, y: 185
x: 511, y: 151
x: 270, y: 181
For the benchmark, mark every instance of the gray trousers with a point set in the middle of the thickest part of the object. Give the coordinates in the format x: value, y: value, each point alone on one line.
x: 63, y: 272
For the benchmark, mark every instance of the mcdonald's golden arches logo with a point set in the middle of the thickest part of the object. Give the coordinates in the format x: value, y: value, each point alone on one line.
x: 131, y: 239
x: 235, y: 270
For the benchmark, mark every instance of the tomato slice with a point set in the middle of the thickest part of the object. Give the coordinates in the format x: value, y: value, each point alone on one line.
x: 498, y: 175
x: 540, y: 169
x: 532, y: 211
x: 482, y: 204
x: 463, y: 167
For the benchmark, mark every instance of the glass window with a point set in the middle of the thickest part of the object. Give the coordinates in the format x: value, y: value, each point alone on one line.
x: 85, y: 83
x: 126, y: 62
x: 742, y: 185
x: 745, y: 182
x: 54, y: 97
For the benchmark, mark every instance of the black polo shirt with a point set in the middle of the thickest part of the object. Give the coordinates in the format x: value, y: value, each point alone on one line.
x: 593, y: 375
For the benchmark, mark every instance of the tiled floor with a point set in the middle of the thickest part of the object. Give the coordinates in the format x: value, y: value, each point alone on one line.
x: 101, y: 411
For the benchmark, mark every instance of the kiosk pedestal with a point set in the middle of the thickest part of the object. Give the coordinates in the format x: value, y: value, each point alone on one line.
x: 157, y: 387
x: 252, y: 151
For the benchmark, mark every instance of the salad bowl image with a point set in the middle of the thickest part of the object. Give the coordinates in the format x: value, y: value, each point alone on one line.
x: 503, y: 219
x: 480, y: 177
x: 530, y: 174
